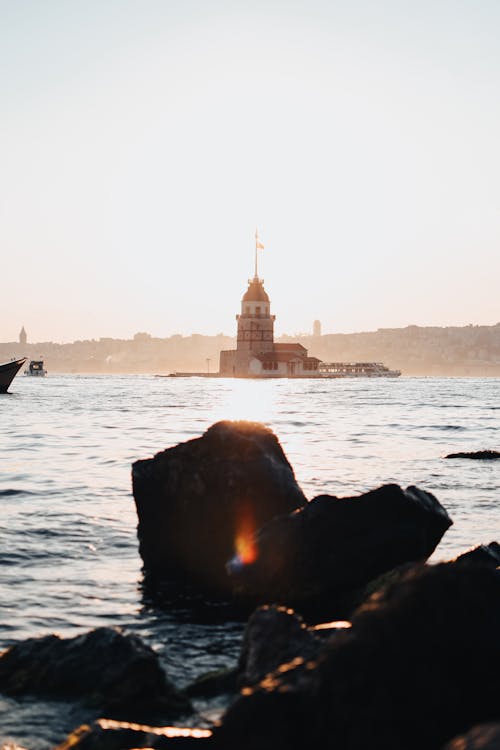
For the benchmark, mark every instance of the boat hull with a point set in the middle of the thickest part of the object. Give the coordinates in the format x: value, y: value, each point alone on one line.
x: 8, y: 372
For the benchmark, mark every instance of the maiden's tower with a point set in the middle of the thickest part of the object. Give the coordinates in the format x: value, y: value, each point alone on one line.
x: 256, y: 354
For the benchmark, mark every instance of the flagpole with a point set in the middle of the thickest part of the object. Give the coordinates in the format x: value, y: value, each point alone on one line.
x: 256, y: 235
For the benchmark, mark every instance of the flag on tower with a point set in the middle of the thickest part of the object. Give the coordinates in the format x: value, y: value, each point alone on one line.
x: 258, y: 244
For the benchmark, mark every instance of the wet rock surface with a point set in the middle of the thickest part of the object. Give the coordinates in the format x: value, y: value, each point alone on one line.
x: 484, y: 554
x: 194, y: 500
x: 483, y: 737
x: 103, y: 668
x: 317, y: 558
x: 274, y: 636
x: 420, y: 665
x: 114, y: 735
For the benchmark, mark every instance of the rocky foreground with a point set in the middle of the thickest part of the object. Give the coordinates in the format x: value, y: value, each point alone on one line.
x: 353, y: 640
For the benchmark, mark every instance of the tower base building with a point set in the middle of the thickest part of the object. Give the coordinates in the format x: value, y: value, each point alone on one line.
x: 256, y: 355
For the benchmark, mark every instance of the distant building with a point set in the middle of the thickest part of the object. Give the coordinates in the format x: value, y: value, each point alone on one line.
x: 316, y: 328
x: 23, y: 337
x: 256, y: 354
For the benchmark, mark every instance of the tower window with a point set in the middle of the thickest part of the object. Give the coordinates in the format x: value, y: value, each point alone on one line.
x: 257, y: 310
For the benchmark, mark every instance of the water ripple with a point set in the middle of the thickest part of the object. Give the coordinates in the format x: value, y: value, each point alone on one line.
x: 68, y: 534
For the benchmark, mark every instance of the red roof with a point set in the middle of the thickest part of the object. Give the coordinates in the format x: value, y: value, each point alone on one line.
x: 278, y: 357
x: 297, y: 348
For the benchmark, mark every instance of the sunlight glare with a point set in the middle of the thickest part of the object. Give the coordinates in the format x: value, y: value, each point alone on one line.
x: 248, y: 399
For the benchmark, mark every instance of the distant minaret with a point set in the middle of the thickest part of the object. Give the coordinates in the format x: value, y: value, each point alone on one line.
x: 316, y: 328
x: 23, y: 338
x: 255, y: 323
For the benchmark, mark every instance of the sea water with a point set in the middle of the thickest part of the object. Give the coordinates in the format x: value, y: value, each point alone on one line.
x: 68, y: 548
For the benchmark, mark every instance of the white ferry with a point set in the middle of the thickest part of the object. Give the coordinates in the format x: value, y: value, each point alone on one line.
x: 356, y: 370
x: 36, y: 369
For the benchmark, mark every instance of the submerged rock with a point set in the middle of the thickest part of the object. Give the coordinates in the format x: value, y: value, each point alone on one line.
x: 420, y: 665
x: 104, y: 668
x: 201, y: 501
x: 481, y: 455
x: 319, y: 556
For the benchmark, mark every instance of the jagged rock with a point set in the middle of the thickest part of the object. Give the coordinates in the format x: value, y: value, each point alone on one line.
x: 420, y: 665
x: 103, y: 667
x: 481, y: 455
x: 317, y: 557
x: 274, y: 636
x: 483, y: 737
x: 195, y: 499
x: 105, y: 734
x: 484, y: 554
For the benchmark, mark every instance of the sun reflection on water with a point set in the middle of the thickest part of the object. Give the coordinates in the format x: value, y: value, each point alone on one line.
x: 251, y: 400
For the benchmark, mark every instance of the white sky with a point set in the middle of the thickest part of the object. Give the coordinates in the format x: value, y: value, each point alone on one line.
x: 141, y: 142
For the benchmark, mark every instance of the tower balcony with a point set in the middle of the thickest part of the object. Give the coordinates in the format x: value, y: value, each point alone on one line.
x: 252, y: 316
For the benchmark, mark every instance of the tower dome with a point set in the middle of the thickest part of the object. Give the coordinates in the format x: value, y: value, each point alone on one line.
x: 255, y: 291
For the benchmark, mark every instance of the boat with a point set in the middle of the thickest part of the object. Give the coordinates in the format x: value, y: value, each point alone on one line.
x: 8, y: 372
x: 356, y: 370
x: 35, y: 368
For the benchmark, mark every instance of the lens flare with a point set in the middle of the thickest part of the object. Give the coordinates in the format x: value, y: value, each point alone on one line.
x: 244, y: 543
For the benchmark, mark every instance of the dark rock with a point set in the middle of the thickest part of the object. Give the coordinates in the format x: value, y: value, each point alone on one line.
x: 104, y: 734
x: 420, y: 665
x: 103, y: 667
x: 195, y: 499
x: 352, y: 601
x: 484, y: 737
x: 274, y: 636
x: 276, y: 715
x: 481, y: 455
x: 484, y: 554
x: 317, y: 557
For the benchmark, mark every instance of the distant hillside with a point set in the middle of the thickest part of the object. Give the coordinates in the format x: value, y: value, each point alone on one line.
x: 469, y: 350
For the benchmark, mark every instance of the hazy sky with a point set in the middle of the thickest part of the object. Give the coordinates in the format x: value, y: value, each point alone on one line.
x: 142, y: 141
